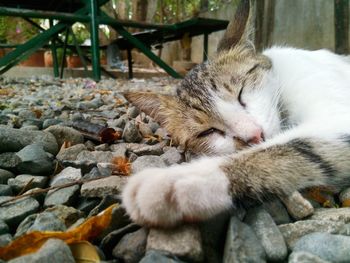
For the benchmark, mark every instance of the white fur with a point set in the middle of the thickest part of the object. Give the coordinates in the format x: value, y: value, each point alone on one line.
x: 312, y: 86
x: 192, y: 192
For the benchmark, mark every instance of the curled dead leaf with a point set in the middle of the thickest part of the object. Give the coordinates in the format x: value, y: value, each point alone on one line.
x: 32, y: 241
x: 122, y: 166
x: 84, y: 252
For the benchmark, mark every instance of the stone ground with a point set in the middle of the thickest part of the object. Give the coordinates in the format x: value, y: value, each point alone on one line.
x: 36, y: 119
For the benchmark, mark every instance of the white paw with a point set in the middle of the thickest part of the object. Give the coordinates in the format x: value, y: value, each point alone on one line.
x: 164, y: 197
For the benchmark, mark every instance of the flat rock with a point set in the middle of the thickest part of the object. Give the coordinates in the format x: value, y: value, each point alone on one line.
x: 69, y: 173
x: 102, y: 187
x: 294, y: 231
x: 147, y: 161
x: 132, y: 247
x: 5, y: 175
x: 297, y: 206
x: 71, y: 153
x: 332, y: 214
x: 305, y: 257
x: 34, y: 160
x: 22, y: 180
x: 13, y: 213
x: 44, y: 221
x: 334, y: 248
x: 184, y: 242
x: 62, y: 134
x: 144, y: 149
x: 64, y: 196
x: 268, y: 233
x: 13, y: 140
x: 54, y: 250
x: 242, y: 245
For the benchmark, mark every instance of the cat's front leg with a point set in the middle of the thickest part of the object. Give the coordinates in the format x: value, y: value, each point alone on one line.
x: 182, y: 193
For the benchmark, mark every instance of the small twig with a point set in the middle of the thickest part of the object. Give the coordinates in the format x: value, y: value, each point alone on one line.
x: 40, y: 191
x: 25, y: 188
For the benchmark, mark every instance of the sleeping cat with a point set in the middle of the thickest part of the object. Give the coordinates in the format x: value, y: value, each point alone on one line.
x: 269, y: 123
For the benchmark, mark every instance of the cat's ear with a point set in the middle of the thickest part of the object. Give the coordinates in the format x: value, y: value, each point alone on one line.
x: 237, y: 30
x: 154, y: 105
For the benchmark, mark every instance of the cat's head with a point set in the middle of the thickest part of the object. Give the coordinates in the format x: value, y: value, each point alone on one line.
x: 220, y: 106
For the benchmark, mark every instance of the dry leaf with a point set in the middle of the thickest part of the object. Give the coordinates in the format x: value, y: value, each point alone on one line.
x: 31, y: 242
x: 84, y: 252
x: 38, y: 113
x: 346, y: 203
x: 122, y: 165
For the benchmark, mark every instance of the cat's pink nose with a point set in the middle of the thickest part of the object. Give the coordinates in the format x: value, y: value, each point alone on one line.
x: 257, y: 137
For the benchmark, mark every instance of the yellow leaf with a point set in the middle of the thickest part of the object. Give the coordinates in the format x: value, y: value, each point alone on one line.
x: 32, y: 241
x: 84, y: 252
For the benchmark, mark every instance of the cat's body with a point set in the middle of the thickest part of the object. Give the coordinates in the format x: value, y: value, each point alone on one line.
x: 276, y: 122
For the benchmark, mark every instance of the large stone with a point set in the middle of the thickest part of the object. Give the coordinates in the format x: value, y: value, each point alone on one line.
x: 5, y: 175
x: 9, y: 160
x: 184, y: 242
x: 22, y: 180
x: 34, y: 160
x: 102, y: 187
x: 62, y: 134
x: 334, y: 248
x: 268, y: 233
x: 53, y: 251
x: 132, y: 247
x: 332, y: 214
x: 242, y: 245
x: 95, y: 156
x: 305, y: 257
x: 44, y: 221
x: 147, y: 161
x: 14, y: 212
x: 13, y: 140
x: 294, y: 231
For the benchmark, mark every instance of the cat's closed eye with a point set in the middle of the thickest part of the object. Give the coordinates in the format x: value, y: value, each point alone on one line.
x: 209, y: 132
x: 240, y: 98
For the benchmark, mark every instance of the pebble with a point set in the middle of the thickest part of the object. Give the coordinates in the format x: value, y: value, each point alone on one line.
x: 71, y: 153
x: 147, y: 161
x: 20, y: 181
x: 242, y: 245
x: 334, y: 248
x: 143, y: 149
x: 119, y: 149
x: 5, y: 239
x: 172, y: 156
x: 95, y: 156
x: 344, y: 197
x: 9, y: 160
x: 183, y: 241
x: 67, y: 134
x: 145, y: 129
x: 106, y: 201
x: 292, y: 232
x: 132, y: 247
x: 54, y: 249
x: 14, y: 212
x: 102, y: 187
x: 13, y: 140
x: 5, y: 175
x: 305, y: 257
x: 132, y: 112
x: 268, y: 233
x: 50, y: 122
x: 131, y: 132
